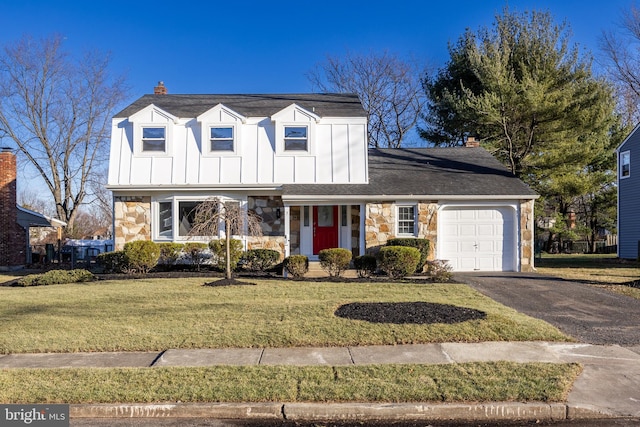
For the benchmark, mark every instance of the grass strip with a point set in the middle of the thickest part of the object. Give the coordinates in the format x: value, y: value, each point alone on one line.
x: 157, y: 314
x: 465, y: 382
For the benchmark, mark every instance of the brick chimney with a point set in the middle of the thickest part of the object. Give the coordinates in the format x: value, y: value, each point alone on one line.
x: 472, y: 142
x: 160, y: 89
x: 13, y: 238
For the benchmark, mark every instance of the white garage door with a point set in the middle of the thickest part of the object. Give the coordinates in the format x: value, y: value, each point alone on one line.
x: 478, y: 238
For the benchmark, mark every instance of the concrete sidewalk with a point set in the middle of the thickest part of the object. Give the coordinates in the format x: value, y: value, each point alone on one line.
x: 608, y: 387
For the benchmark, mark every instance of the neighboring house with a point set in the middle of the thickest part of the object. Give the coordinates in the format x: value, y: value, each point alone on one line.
x: 301, y: 162
x: 16, y: 221
x: 629, y: 196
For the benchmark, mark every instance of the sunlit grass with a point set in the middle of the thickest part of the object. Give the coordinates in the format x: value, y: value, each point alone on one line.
x: 591, y: 268
x: 495, y: 381
x: 158, y: 314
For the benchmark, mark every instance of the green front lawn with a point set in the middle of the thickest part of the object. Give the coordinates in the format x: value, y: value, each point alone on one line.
x: 158, y: 314
x: 466, y: 382
x: 607, y: 271
x: 592, y: 268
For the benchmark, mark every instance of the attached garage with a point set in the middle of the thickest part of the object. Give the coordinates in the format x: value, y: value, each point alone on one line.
x: 478, y: 214
x: 478, y: 238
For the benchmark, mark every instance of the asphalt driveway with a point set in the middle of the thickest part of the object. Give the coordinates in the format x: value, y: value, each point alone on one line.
x: 587, y: 313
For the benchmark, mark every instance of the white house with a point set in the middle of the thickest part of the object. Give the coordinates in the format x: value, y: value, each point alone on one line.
x: 302, y: 163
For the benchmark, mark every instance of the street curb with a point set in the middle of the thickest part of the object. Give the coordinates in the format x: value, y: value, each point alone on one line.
x: 492, y: 411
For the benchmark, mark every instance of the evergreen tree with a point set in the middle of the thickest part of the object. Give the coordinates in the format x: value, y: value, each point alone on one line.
x: 534, y: 103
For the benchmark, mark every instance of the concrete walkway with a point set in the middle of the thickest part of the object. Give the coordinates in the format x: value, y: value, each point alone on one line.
x: 608, y: 387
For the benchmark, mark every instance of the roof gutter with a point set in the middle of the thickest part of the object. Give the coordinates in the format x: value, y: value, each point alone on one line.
x: 192, y: 187
x: 403, y: 197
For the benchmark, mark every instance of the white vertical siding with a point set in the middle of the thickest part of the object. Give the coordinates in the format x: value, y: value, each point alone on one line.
x: 305, y: 169
x: 340, y: 159
x: 230, y: 170
x: 357, y: 153
x: 337, y: 151
x: 284, y: 169
x: 161, y: 170
x: 324, y: 153
x: 265, y: 134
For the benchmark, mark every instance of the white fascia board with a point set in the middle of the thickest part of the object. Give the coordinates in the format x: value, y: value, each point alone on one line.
x: 192, y: 187
x: 311, y: 198
x: 204, y: 116
x: 158, y: 110
x: 295, y: 106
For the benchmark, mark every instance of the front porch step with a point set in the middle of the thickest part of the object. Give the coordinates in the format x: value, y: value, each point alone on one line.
x: 316, y: 271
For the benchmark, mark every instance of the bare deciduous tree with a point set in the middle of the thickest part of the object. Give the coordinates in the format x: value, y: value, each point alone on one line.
x: 622, y: 51
x: 389, y: 89
x: 58, y: 112
x: 213, y: 212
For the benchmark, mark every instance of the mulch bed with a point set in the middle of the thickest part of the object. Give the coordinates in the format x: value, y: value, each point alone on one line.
x: 408, y: 312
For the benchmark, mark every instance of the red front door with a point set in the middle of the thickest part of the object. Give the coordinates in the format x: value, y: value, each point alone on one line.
x: 325, y: 228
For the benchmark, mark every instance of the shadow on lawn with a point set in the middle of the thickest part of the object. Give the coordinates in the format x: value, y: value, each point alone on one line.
x: 408, y: 312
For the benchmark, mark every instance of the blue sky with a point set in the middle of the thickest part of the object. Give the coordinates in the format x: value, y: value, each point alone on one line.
x: 267, y: 47
x: 248, y: 46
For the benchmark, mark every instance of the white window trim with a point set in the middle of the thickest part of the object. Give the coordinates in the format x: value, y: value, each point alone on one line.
x: 626, y: 154
x: 415, y: 219
x: 175, y: 204
x: 280, y: 147
x: 168, y: 137
x: 206, y: 139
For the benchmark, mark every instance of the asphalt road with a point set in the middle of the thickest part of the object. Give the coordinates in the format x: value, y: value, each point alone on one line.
x: 585, y: 312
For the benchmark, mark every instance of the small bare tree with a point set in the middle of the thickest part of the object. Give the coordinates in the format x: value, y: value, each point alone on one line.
x: 58, y: 110
x: 389, y: 88
x: 622, y: 51
x: 213, y: 212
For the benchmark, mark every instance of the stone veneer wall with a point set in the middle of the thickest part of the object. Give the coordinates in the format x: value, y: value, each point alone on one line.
x: 527, y: 255
x: 266, y: 207
x: 132, y: 219
x: 380, y: 224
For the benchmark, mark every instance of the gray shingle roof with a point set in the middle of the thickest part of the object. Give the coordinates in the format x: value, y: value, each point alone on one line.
x: 265, y: 105
x: 437, y: 172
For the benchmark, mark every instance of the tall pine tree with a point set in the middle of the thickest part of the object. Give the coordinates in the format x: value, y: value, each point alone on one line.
x: 534, y: 103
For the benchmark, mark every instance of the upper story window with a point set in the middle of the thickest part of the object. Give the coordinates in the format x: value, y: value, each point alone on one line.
x: 406, y: 220
x: 154, y: 139
x: 221, y: 138
x: 296, y: 138
x: 625, y: 164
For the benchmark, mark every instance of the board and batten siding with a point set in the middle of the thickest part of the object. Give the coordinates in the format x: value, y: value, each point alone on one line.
x: 338, y: 153
x: 629, y: 199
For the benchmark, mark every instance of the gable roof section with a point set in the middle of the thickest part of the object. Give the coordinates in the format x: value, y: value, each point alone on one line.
x: 265, y: 105
x: 292, y: 109
x: 459, y: 172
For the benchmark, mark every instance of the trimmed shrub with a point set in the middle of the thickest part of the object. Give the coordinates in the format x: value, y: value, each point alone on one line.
x: 56, y: 277
x: 113, y: 262
x: 169, y: 252
x: 423, y: 245
x: 439, y: 270
x: 195, y: 253
x: 260, y: 259
x: 296, y: 265
x: 219, y: 248
x: 142, y: 255
x: 335, y: 260
x: 398, y: 261
x: 365, y: 265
